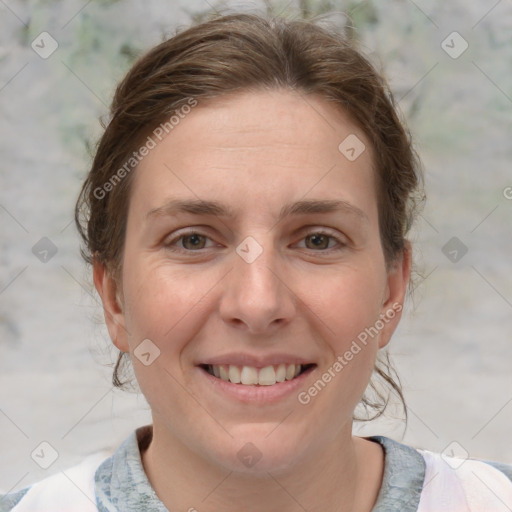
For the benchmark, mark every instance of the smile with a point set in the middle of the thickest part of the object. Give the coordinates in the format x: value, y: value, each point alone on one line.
x: 252, y: 376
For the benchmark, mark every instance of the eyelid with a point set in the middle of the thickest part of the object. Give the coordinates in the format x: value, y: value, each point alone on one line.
x: 304, y: 233
x: 178, y: 235
x: 341, y: 241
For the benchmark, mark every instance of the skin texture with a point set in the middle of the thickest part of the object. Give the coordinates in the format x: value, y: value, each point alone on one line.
x: 255, y: 152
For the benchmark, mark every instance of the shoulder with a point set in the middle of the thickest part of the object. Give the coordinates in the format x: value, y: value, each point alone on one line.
x: 506, y: 469
x: 8, y: 501
x: 424, y: 481
x: 71, y: 487
x: 476, y: 484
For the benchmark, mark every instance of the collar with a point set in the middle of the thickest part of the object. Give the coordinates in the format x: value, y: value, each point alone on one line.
x: 122, y: 484
x: 404, y: 474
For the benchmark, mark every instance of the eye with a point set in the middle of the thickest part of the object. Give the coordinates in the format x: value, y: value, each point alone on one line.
x: 187, y: 242
x: 319, y: 241
x: 195, y: 241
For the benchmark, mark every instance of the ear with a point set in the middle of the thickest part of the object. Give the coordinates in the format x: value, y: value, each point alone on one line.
x: 109, y: 292
x: 394, y: 297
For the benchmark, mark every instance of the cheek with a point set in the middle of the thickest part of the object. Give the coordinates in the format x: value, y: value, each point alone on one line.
x: 351, y: 302
x: 160, y: 307
x: 350, y: 315
x: 158, y: 302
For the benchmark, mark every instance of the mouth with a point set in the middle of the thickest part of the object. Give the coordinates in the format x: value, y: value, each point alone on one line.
x: 252, y: 376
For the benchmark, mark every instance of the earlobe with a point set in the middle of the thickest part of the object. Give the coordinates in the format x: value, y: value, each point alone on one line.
x: 109, y: 292
x: 396, y: 288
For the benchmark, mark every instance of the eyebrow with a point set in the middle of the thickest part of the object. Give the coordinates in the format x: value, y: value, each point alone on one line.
x: 214, y: 208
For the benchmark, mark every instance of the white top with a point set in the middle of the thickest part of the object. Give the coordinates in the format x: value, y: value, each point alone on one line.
x: 414, y: 481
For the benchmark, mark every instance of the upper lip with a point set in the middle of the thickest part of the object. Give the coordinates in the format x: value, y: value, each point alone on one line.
x: 239, y: 359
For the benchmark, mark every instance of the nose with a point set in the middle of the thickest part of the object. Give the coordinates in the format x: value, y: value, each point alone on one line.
x: 257, y: 295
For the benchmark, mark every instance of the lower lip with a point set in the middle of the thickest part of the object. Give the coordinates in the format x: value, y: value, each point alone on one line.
x: 258, y: 394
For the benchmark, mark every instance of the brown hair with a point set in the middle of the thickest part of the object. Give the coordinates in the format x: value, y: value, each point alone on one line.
x: 244, y: 52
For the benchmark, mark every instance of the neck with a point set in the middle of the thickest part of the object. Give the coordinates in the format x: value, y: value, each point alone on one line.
x: 345, y: 476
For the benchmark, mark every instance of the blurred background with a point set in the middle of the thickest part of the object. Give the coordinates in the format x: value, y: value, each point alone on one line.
x: 449, y: 65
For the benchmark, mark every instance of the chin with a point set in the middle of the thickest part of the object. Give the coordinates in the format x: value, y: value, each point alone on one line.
x: 253, y: 451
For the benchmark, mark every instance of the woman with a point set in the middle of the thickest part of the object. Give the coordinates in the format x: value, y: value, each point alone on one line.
x: 246, y: 218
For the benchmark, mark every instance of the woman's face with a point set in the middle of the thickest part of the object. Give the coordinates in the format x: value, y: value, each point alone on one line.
x: 252, y: 243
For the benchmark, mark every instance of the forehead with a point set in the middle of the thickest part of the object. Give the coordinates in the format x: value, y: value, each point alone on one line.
x: 259, y: 149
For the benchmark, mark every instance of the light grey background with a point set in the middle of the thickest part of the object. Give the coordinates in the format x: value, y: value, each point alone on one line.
x: 453, y: 348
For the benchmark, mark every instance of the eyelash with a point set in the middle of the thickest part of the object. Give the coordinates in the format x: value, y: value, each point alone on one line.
x: 169, y: 245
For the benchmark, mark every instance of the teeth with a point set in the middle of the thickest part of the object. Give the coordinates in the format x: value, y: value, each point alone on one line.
x: 234, y: 374
x: 250, y: 376
x: 281, y: 373
x: 267, y: 376
x: 223, y: 373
